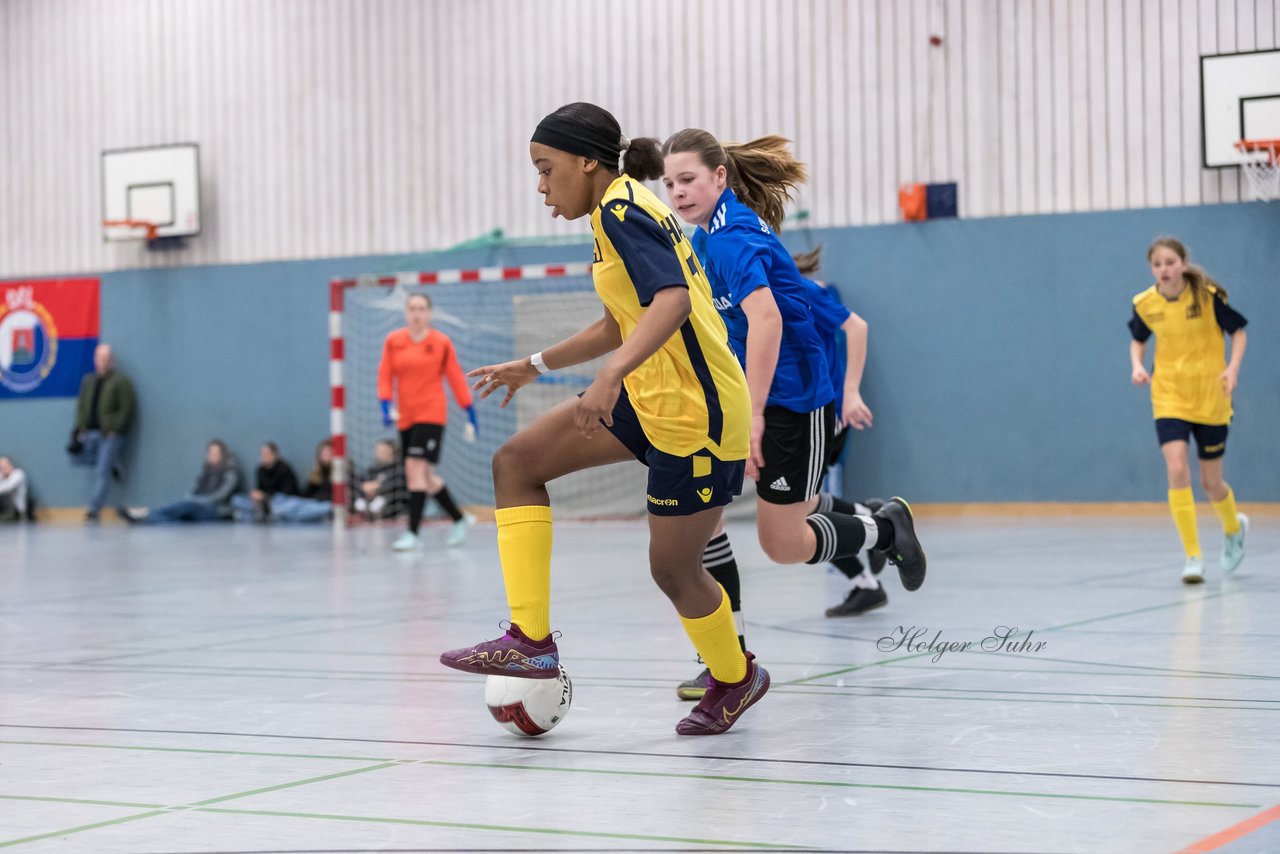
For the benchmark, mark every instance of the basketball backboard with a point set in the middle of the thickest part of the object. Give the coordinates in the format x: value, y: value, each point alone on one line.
x: 157, y: 184
x: 1239, y: 99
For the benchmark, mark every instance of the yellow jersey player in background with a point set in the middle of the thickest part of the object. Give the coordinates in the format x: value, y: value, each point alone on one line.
x: 672, y: 395
x: 1191, y: 386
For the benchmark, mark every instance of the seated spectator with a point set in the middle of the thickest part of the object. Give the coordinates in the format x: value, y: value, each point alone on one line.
x: 274, y: 477
x: 13, y: 491
x: 381, y: 494
x: 209, y: 501
x: 315, y: 502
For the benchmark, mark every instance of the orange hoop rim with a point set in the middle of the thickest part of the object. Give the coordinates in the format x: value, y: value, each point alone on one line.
x: 1270, y: 147
x: 153, y: 230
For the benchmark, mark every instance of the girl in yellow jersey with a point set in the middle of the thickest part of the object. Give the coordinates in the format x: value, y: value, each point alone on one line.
x: 1191, y: 386
x: 672, y: 395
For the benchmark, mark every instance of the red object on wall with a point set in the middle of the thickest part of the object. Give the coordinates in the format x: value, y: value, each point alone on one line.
x: 913, y: 201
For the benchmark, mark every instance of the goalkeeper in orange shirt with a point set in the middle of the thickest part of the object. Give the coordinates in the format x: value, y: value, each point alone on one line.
x: 416, y: 362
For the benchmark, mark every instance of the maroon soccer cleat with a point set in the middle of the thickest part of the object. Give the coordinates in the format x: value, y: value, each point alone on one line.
x: 513, y: 654
x: 723, y: 704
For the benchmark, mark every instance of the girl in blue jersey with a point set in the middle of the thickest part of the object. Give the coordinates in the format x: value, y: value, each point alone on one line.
x: 671, y: 395
x: 836, y: 324
x: 735, y: 195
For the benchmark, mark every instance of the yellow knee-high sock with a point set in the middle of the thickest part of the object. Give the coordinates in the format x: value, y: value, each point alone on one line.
x: 715, y: 637
x: 524, y: 549
x: 1182, y: 504
x: 1226, y: 510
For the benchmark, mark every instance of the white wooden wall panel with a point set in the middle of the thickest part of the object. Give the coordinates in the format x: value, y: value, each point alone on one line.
x: 343, y: 127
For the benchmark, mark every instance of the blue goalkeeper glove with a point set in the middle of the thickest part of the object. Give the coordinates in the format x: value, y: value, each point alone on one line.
x: 472, y: 429
x: 386, y: 412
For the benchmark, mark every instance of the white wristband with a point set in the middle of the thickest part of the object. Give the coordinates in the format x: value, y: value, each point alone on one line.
x: 539, y: 365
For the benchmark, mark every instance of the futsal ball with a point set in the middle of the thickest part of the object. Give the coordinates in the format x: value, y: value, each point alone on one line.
x: 528, y: 706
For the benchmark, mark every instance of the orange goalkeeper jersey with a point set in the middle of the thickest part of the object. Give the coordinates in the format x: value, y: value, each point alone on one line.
x: 418, y: 370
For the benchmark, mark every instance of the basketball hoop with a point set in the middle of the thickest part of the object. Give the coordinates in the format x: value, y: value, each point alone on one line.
x: 151, y: 230
x: 1260, y: 163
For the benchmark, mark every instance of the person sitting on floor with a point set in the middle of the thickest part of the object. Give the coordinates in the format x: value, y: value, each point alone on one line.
x: 381, y: 494
x: 274, y: 477
x: 208, y: 501
x: 315, y: 504
x: 13, y: 491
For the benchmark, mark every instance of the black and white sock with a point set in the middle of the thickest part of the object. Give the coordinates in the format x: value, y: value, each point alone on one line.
x: 828, y: 503
x: 850, y: 567
x: 866, y: 580
x: 417, y: 500
x: 445, y: 500
x: 718, y: 559
x: 840, y: 535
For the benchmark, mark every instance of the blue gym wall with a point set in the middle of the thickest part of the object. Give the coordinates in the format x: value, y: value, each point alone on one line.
x: 998, y: 365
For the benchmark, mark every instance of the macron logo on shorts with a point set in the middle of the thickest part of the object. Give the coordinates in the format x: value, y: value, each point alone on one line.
x: 780, y: 485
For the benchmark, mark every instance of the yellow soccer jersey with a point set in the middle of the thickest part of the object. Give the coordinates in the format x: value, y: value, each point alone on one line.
x: 691, y: 395
x: 1190, y: 353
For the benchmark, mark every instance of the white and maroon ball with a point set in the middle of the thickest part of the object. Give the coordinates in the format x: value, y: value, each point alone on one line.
x: 528, y: 706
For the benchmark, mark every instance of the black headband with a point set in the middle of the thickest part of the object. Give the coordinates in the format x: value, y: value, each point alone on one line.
x: 573, y: 137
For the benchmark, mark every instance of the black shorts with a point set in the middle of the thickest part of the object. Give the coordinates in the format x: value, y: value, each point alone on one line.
x: 835, y: 448
x: 678, y: 486
x: 795, y: 453
x: 1211, y: 439
x: 422, y: 442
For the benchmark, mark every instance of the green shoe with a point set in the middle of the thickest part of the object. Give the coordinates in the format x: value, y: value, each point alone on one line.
x: 1233, y: 548
x: 1193, y: 572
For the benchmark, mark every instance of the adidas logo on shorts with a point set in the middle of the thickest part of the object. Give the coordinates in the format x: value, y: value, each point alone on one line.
x: 780, y: 485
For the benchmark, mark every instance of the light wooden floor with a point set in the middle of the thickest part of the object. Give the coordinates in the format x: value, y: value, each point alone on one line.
x: 220, y: 688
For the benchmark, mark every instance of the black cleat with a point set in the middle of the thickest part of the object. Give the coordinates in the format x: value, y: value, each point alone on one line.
x: 875, y: 560
x: 905, y: 552
x: 859, y: 601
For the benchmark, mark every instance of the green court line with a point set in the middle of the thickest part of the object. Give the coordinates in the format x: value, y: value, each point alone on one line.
x: 887, y: 661
x: 1215, y: 595
x: 198, y: 804
x: 633, y: 682
x: 321, y: 779
x: 1154, y: 673
x: 911, y: 690
x: 730, y: 778
x: 1160, y: 670
x: 1082, y: 699
x: 149, y: 749
x: 673, y: 775
x: 553, y: 831
x: 6, y: 843
x: 85, y: 801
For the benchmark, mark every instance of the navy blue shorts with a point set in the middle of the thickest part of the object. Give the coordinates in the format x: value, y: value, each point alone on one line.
x: 678, y: 486
x: 1211, y: 439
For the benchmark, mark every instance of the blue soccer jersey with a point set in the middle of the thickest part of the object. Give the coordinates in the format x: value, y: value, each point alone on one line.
x: 829, y: 314
x: 740, y: 253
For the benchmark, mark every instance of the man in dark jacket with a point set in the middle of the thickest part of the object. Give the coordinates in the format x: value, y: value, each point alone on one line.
x: 104, y: 414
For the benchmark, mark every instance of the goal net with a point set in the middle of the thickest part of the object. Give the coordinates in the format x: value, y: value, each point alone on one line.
x: 491, y: 315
